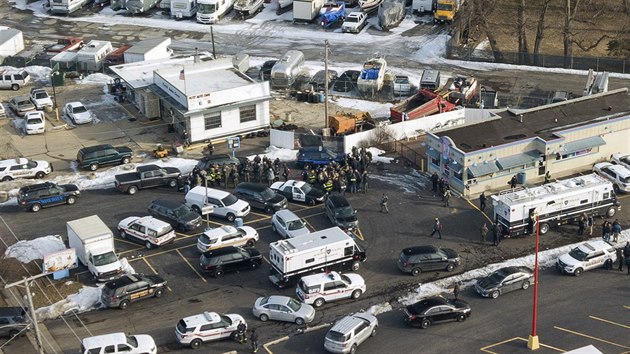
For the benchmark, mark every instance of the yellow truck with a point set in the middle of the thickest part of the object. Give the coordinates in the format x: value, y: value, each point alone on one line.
x: 445, y: 10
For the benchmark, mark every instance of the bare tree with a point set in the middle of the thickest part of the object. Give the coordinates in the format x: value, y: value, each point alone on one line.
x: 569, y: 16
x: 540, y: 30
x: 523, y: 47
x: 483, y: 11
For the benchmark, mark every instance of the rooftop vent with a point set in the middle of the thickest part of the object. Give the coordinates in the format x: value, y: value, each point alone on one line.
x: 514, y: 137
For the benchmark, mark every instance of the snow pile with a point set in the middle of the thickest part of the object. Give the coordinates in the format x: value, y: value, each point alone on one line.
x: 87, y: 299
x: 376, y: 109
x: 126, y: 267
x: 273, y: 152
x: 27, y: 251
x: 38, y: 73
x: 96, y: 78
x: 410, y: 183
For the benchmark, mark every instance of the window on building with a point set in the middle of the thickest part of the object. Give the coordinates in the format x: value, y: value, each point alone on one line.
x: 576, y: 154
x: 248, y: 113
x: 212, y: 120
x: 434, y: 161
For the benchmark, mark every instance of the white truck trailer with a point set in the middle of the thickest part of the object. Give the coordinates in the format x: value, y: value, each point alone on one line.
x: 325, y: 250
x: 94, y: 245
x: 555, y: 203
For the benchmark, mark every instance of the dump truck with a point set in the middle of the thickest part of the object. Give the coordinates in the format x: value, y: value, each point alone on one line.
x: 347, y: 123
x: 422, y: 104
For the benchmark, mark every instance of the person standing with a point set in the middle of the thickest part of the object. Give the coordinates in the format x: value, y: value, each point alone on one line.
x: 456, y: 291
x: 626, y: 255
x: 384, y: 201
x: 484, y: 232
x: 482, y: 201
x: 581, y: 225
x: 364, y: 180
x: 447, y: 197
x: 187, y: 184
x: 434, y: 181
x: 547, y: 177
x: 590, y: 222
x: 620, y: 259
x: 285, y: 172
x: 496, y: 233
x: 606, y: 231
x: 254, y: 340
x: 513, y: 182
x: 240, y: 330
x: 616, y: 230
x: 437, y: 227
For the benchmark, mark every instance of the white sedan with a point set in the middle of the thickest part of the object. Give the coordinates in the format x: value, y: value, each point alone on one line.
x: 77, y: 113
x: 621, y: 159
x: 34, y: 123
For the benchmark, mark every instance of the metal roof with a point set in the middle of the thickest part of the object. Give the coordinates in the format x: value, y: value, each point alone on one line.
x: 518, y: 159
x: 145, y: 46
x: 483, y: 169
x: 583, y: 144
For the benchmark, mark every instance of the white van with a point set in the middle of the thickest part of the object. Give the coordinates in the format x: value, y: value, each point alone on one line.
x: 320, y: 288
x: 118, y: 343
x: 220, y: 203
x: 13, y: 79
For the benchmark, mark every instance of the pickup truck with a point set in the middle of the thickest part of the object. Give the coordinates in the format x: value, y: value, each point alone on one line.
x: 147, y: 176
x: 64, y: 44
x: 402, y: 87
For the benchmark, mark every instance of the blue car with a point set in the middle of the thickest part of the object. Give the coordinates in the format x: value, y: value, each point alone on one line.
x: 42, y: 195
x: 317, y: 155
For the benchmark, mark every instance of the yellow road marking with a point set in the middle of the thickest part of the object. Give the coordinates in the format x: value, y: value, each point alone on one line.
x: 259, y: 214
x: 150, y: 266
x: 360, y: 234
x: 591, y: 337
x: 611, y: 322
x: 159, y: 253
x: 132, y: 250
x: 125, y: 241
x: 212, y: 222
x: 190, y: 265
x: 628, y: 307
x: 310, y: 216
x: 263, y: 227
x: 482, y: 212
x: 257, y: 220
x: 309, y: 225
x: 486, y: 348
x: 266, y: 260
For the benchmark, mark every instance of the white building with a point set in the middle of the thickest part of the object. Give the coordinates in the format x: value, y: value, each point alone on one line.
x: 149, y: 49
x: 212, y: 99
x: 11, y: 42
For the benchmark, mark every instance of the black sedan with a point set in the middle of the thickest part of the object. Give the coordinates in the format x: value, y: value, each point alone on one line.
x: 436, y: 309
x: 504, y: 280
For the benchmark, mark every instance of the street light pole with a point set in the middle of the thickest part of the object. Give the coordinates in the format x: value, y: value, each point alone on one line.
x: 532, y: 342
x: 326, y: 82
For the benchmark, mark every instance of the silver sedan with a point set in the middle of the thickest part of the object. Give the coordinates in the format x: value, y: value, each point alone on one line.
x: 283, y: 308
x: 288, y: 225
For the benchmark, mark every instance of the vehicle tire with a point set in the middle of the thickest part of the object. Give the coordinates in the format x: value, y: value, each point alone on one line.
x: 356, y: 294
x: 450, y: 267
x: 263, y: 317
x: 578, y: 272
x: 40, y: 175
x: 299, y: 321
x: 125, y: 160
x: 268, y: 210
x: 425, y: 323
x: 311, y: 202
x: 543, y: 228
x: 196, y: 343
x: 353, y: 349
x: 196, y: 209
x: 218, y: 273
x: 273, y: 228
x: 36, y: 207
x: 495, y: 294
x: 158, y: 293
x: 71, y: 200
x: 123, y: 234
x: 93, y: 166
x: 416, y: 271
x: 148, y: 245
x: 525, y: 285
x: 461, y: 317
x: 319, y: 302
x: 355, y: 266
x: 373, y: 332
x: 124, y: 304
x: 7, y: 178
x: 13, y: 333
x: 249, y: 243
x: 15, y: 87
x: 611, y: 212
x: 132, y: 190
x: 230, y: 217
x: 254, y: 265
x: 172, y: 183
x: 616, y: 189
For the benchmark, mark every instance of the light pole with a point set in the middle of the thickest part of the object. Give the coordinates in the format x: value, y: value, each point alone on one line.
x: 532, y: 342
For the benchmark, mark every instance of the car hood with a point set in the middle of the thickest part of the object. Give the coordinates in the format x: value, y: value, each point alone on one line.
x: 277, y: 199
x: 252, y: 251
x: 347, y: 219
x: 235, y: 319
x: 306, y: 311
x: 567, y: 259
x: 70, y: 187
x: 145, y: 341
x: 487, y: 283
x: 461, y: 304
x: 450, y: 253
x: 239, y: 205
x: 42, y: 164
x: 189, y: 217
x: 300, y: 232
x: 316, y: 193
x: 250, y: 231
x: 123, y: 149
x: 356, y: 279
x: 83, y: 115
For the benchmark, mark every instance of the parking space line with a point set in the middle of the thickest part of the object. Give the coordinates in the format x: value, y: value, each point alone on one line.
x: 263, y: 227
x: 310, y: 216
x: 258, y: 214
x: 360, y: 234
x: 190, y: 265
x: 591, y: 337
x: 150, y: 266
x: 487, y: 350
x: 132, y: 250
x: 628, y: 307
x: 186, y: 236
x: 266, y: 260
x: 212, y: 222
x: 162, y: 252
x: 125, y: 241
x: 256, y: 220
x: 611, y: 322
x: 309, y: 225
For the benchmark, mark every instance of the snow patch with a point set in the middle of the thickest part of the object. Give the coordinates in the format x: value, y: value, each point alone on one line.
x: 410, y: 183
x: 379, y: 308
x: 273, y: 152
x: 28, y: 251
x: 88, y: 298
x: 376, y: 109
x: 376, y: 152
x: 96, y: 78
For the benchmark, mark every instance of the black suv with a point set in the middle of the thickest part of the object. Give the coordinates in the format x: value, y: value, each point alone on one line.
x: 230, y: 259
x: 179, y: 215
x: 42, y: 195
x: 13, y: 321
x: 261, y: 197
x: 340, y: 212
x: 317, y: 155
x: 415, y: 260
x: 221, y: 159
x: 92, y: 157
x: 122, y: 291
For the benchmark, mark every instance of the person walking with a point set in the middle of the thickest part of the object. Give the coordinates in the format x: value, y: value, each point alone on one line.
x: 616, y: 230
x: 620, y: 258
x: 456, y: 291
x: 482, y: 201
x: 384, y: 200
x: 437, y: 227
x: 484, y: 232
x: 447, y: 197
x: 254, y: 340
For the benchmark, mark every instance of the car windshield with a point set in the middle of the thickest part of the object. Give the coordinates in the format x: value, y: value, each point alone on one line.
x: 206, y: 8
x: 181, y: 210
x: 306, y: 188
x: 346, y: 279
x: 31, y: 164
x: 34, y: 121
x: 181, y: 327
x: 496, y: 277
x: 578, y: 254
x: 225, y: 319
x: 294, y: 304
x: 419, y: 307
x: 402, y: 80
x: 267, y: 194
x: 344, y: 212
x: 295, y: 225
x: 24, y: 103
x: 352, y: 19
x: 104, y: 259
x: 207, y: 240
x: 132, y: 341
x: 40, y: 95
x: 229, y: 200
x: 264, y: 300
x: 79, y: 109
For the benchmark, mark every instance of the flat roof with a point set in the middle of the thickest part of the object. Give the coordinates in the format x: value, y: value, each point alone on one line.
x: 204, y: 77
x: 140, y: 74
x: 94, y: 46
x: 8, y: 34
x: 544, y: 122
x: 142, y: 47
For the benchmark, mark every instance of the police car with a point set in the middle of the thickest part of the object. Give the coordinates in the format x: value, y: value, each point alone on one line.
x: 148, y: 230
x: 299, y: 191
x: 319, y: 289
x: 205, y: 327
x: 23, y: 168
x: 586, y: 256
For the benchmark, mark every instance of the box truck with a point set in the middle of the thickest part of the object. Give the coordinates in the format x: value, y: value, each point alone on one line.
x: 94, y: 245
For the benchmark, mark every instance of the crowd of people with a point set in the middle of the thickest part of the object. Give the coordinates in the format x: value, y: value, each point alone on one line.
x: 349, y: 175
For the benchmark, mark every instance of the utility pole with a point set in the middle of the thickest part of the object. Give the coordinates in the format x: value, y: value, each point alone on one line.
x: 25, y: 282
x: 326, y: 82
x: 214, y: 54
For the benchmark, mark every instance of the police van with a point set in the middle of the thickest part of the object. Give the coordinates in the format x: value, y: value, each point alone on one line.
x: 23, y: 168
x: 555, y: 203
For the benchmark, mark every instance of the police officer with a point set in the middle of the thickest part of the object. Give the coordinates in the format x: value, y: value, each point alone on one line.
x: 384, y: 201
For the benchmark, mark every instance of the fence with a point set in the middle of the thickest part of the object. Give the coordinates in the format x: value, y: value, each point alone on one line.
x: 542, y: 60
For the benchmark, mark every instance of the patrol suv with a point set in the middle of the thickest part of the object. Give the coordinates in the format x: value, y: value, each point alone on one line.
x: 320, y: 288
x: 147, y: 230
x: 23, y: 168
x: 43, y: 195
x: 122, y: 291
x: 194, y: 330
x: 586, y: 256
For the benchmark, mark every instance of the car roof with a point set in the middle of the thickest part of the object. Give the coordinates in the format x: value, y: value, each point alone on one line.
x: 320, y: 278
x: 167, y: 203
x: 278, y: 299
x: 287, y: 215
x: 221, y: 251
x: 410, y: 251
x: 103, y: 340
x: 591, y: 246
x: 122, y: 281
x: 620, y: 170
x: 21, y: 98
x: 202, y: 318
x: 355, y: 14
x: 12, y: 162
x: 338, y: 200
x: 96, y: 147
x: 150, y: 167
x: 349, y: 322
x: 220, y: 231
x: 37, y: 186
x: 211, y: 192
x: 432, y: 301
x: 74, y: 104
x: 294, y: 183
x: 312, y: 149
x: 38, y: 114
x: 151, y: 222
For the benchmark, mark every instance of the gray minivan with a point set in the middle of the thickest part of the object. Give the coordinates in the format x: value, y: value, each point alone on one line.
x: 13, y: 321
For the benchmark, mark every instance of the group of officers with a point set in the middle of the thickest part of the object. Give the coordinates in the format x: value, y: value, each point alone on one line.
x: 349, y: 175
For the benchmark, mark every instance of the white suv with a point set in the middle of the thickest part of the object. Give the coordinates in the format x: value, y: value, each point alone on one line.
x: 320, y: 288
x: 225, y: 236
x: 219, y: 203
x: 118, y: 343
x: 23, y: 168
x: 147, y: 230
x: 617, y: 174
x: 354, y: 22
x: 347, y: 333
x: 586, y: 256
x: 208, y: 326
